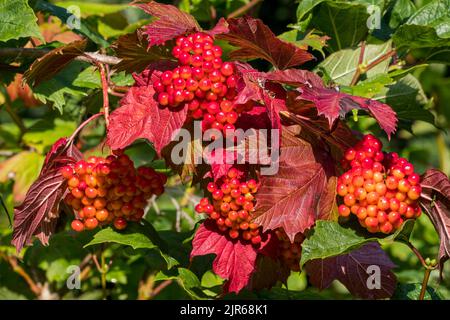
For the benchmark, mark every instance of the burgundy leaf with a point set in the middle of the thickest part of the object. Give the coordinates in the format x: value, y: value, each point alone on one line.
x: 135, y: 54
x: 435, y: 201
x: 170, y: 23
x: 352, y: 270
x: 220, y: 161
x: 268, y: 272
x: 235, y: 260
x: 298, y: 194
x: 140, y: 116
x: 332, y: 104
x: 295, y: 77
x: 38, y: 213
x: 256, y: 40
x: 221, y: 27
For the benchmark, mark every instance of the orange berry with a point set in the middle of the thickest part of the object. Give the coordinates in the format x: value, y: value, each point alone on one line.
x: 343, y: 210
x: 91, y: 223
x: 102, y: 215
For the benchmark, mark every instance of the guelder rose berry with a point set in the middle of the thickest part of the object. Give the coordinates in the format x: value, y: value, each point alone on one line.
x: 381, y: 189
x: 109, y: 190
x: 203, y: 82
x: 232, y: 206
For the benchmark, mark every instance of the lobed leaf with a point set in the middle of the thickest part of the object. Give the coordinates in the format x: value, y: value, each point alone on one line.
x: 435, y: 201
x: 256, y: 40
x: 353, y: 271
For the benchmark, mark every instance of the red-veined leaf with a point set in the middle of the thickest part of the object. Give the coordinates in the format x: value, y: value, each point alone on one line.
x: 332, y: 104
x: 140, y: 116
x: 435, y: 201
x: 256, y: 40
x: 221, y: 27
x: 170, y: 22
x: 298, y: 193
x: 353, y: 271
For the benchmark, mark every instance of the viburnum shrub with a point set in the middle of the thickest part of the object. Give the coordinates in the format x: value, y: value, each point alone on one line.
x: 381, y: 189
x: 319, y: 196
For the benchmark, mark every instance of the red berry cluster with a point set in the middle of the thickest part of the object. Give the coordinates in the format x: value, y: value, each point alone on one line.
x: 109, y: 190
x: 232, y: 207
x: 381, y: 189
x: 203, y: 81
x: 290, y: 253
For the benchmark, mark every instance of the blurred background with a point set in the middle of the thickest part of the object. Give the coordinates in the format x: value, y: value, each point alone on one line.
x: 28, y: 127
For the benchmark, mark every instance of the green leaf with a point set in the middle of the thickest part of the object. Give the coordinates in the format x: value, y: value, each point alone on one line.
x: 411, y: 291
x: 305, y: 6
x: 134, y: 235
x: 407, y: 98
x: 370, y: 87
x: 341, y: 66
x: 86, y: 28
x: 401, y: 10
x: 17, y: 20
x: 305, y: 40
x: 344, y: 22
x: 44, y: 133
x: 428, y: 27
x: 329, y: 239
x: 187, y: 280
x: 6, y: 294
x: 55, y: 90
x: 92, y: 8
x: 88, y: 78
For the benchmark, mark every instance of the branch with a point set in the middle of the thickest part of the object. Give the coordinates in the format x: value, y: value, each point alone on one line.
x: 37, y: 53
x: 105, y: 92
x: 358, y: 67
x: 243, y: 9
x: 20, y: 271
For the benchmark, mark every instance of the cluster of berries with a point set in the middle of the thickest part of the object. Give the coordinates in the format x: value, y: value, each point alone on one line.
x: 203, y: 81
x: 109, y: 190
x: 290, y: 252
x: 232, y: 207
x: 381, y: 189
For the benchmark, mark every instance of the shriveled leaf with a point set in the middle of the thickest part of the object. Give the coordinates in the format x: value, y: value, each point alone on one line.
x: 332, y: 104
x: 290, y: 199
x: 357, y: 271
x: 170, y: 22
x: 140, y: 116
x: 53, y: 62
x: 435, y: 201
x: 255, y: 40
x: 136, y: 54
x: 234, y: 261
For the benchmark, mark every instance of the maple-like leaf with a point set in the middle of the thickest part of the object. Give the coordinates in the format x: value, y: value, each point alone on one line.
x: 332, y: 104
x: 221, y: 27
x: 295, y: 77
x: 170, y: 22
x: 235, y: 260
x: 255, y: 40
x: 435, y: 201
x: 38, y: 213
x: 352, y: 270
x: 135, y: 54
x: 140, y: 116
x: 298, y: 193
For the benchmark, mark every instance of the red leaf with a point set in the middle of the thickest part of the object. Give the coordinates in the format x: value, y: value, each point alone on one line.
x: 295, y: 77
x: 352, y: 271
x: 140, y: 116
x: 235, y: 260
x: 170, y: 23
x: 220, y: 161
x: 332, y: 104
x: 256, y: 40
x: 294, y: 198
x: 221, y: 27
x: 135, y: 54
x: 38, y: 213
x: 435, y: 201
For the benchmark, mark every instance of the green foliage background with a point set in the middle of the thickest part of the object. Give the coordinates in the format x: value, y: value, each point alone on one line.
x: 420, y: 95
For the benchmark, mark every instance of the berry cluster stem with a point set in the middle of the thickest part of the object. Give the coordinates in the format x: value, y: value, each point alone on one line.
x: 105, y: 92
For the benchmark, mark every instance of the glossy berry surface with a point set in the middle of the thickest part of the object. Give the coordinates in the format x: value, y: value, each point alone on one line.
x: 381, y: 189
x: 109, y: 190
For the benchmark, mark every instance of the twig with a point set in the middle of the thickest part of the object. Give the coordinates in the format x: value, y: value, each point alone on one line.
x: 417, y: 253
x: 37, y: 53
x: 105, y: 92
x: 20, y: 271
x: 83, y: 124
x: 360, y: 62
x: 243, y: 9
x: 380, y: 59
x: 160, y: 288
x: 15, y: 118
x: 426, y: 277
